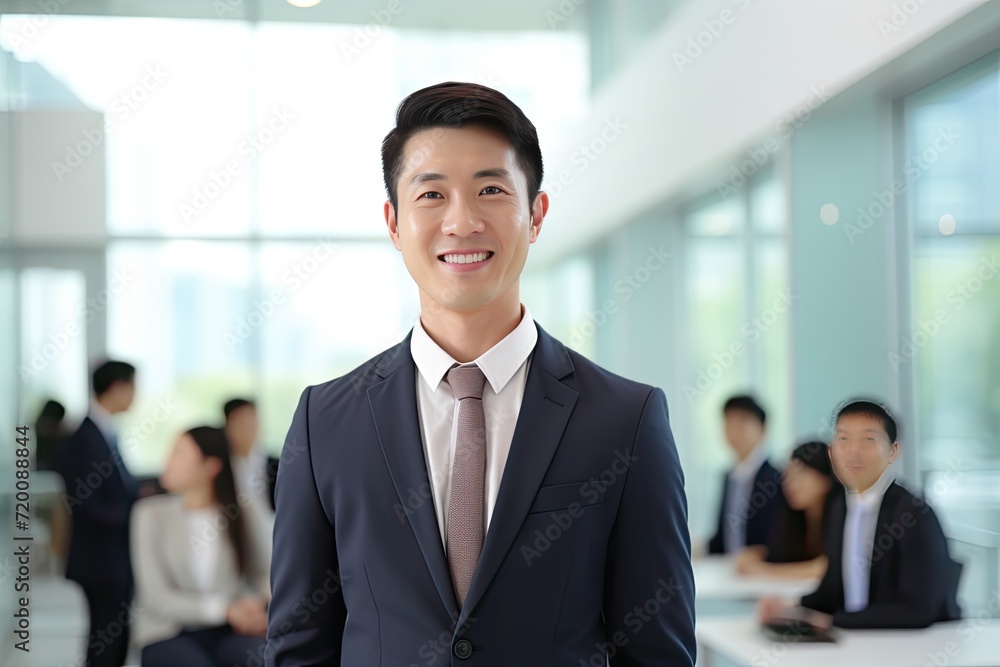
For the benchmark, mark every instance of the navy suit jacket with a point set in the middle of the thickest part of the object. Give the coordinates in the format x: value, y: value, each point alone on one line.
x: 100, y: 503
x: 913, y: 582
x: 766, y: 507
x: 587, y: 552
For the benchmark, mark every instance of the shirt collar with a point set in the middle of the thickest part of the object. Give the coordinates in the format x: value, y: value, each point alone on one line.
x: 102, y: 419
x: 873, y: 495
x: 749, y: 466
x: 499, y: 363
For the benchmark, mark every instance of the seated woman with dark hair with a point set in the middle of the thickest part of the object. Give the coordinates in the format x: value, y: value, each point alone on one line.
x: 201, y: 562
x: 796, y: 547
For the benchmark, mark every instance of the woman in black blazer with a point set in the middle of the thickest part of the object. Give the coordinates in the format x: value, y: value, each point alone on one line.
x: 796, y: 548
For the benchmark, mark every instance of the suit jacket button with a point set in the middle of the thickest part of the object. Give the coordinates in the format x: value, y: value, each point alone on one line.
x: 463, y: 649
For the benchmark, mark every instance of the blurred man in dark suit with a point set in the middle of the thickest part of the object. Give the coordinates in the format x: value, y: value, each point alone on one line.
x: 253, y: 470
x: 752, y: 501
x: 99, y: 494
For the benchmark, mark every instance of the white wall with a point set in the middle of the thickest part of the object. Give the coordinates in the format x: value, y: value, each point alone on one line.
x: 58, y: 188
x: 683, y: 126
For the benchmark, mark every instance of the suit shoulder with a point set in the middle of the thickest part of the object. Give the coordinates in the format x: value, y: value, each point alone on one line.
x: 156, y: 507
x: 595, y: 378
x: 354, y: 384
x: 906, y: 501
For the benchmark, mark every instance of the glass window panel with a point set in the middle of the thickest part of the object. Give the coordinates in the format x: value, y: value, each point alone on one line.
x: 323, y: 174
x: 955, y: 349
x: 177, y: 114
x: 770, y: 337
x: 334, y: 308
x: 183, y: 313
x: 768, y: 208
x: 717, y: 217
x: 952, y: 161
x: 54, y: 340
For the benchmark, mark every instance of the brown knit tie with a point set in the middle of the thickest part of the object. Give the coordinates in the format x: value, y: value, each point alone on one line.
x: 468, y: 479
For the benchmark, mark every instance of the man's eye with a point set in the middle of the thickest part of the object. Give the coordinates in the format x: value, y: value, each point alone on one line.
x: 430, y: 195
x: 495, y: 189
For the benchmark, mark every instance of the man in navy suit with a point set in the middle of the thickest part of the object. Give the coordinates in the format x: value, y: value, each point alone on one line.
x: 752, y: 500
x: 889, y: 565
x: 100, y: 493
x: 478, y: 494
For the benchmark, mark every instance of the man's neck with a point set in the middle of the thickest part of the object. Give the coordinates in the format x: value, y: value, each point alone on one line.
x: 467, y: 335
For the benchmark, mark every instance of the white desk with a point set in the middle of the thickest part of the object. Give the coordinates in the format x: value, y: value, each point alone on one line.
x: 966, y: 643
x: 716, y: 580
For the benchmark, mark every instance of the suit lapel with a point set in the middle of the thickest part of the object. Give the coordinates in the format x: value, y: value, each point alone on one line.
x: 886, y: 513
x: 545, y: 411
x: 393, y: 401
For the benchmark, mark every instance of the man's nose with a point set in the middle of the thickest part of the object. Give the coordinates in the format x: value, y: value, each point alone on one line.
x: 462, y: 218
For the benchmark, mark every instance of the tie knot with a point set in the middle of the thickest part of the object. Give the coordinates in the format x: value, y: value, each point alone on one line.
x: 467, y: 381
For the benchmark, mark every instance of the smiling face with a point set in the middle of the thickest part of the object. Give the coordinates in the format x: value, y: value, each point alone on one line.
x: 464, y: 222
x: 861, y: 451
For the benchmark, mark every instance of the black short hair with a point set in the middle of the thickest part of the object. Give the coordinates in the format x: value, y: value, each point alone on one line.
x: 746, y: 403
x: 235, y: 404
x: 868, y: 408
x: 110, y: 372
x: 816, y: 455
x: 455, y: 105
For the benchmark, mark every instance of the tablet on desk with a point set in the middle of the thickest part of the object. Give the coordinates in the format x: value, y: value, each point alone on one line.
x: 793, y: 630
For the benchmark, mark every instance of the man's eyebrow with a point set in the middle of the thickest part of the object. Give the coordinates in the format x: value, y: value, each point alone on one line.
x: 493, y: 173
x: 426, y: 176
x: 496, y: 172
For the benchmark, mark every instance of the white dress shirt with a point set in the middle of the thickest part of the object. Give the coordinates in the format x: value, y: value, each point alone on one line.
x: 859, y: 540
x: 740, y: 487
x: 205, y: 529
x: 250, y: 475
x: 104, y: 422
x: 505, y: 366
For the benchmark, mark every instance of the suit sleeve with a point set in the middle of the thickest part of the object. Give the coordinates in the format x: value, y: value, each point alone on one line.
x: 829, y: 595
x: 307, y: 614
x: 183, y: 607
x: 83, y: 462
x: 649, y: 585
x: 923, y: 584
x: 717, y: 545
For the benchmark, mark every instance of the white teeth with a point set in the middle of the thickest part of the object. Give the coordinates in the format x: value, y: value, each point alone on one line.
x: 466, y: 259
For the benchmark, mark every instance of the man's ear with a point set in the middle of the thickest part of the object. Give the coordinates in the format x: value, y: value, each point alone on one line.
x: 539, y: 209
x: 390, y: 221
x: 893, y: 451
